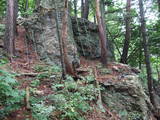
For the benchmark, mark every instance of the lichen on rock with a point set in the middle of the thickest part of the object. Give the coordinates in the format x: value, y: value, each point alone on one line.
x: 43, y: 32
x: 87, y: 39
x: 127, y: 97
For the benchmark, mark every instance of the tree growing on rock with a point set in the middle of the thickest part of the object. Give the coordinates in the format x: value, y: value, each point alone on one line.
x: 102, y: 34
x: 147, y: 60
x: 64, y: 34
x: 128, y: 33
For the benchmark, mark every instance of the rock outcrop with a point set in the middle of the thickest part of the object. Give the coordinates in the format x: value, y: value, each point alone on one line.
x: 82, y: 34
x: 42, y: 30
x: 123, y: 93
x: 87, y: 39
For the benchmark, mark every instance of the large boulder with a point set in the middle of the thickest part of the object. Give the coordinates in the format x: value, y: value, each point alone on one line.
x: 87, y: 39
x: 123, y: 93
x: 82, y: 34
x: 43, y: 32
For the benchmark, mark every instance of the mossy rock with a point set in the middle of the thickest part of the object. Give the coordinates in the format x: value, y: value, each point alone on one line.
x: 127, y: 98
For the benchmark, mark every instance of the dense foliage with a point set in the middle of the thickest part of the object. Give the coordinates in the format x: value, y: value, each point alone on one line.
x: 10, y: 97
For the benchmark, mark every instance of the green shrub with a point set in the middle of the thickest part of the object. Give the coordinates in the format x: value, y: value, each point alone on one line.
x: 41, y: 111
x: 35, y: 83
x: 3, y: 61
x: 50, y: 69
x: 72, y: 98
x: 10, y: 96
x: 135, y: 116
x: 72, y: 106
x: 40, y: 68
x: 55, y: 69
x: 43, y: 75
x: 89, y: 92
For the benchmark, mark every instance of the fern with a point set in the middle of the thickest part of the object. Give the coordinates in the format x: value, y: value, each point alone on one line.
x: 10, y: 96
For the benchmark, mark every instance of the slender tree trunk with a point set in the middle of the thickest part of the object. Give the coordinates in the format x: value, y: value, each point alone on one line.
x: 128, y: 33
x: 82, y: 8
x: 140, y: 57
x: 94, y: 19
x: 26, y: 5
x: 102, y: 34
x: 158, y: 1
x: 10, y: 33
x: 75, y: 8
x: 64, y: 36
x: 158, y: 72
x: 110, y: 49
x: 37, y: 3
x: 146, y: 53
x: 60, y: 46
x: 86, y: 9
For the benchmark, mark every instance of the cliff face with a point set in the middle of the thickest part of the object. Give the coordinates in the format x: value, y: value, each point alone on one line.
x: 43, y: 32
x: 82, y: 34
x: 87, y: 39
x: 123, y: 93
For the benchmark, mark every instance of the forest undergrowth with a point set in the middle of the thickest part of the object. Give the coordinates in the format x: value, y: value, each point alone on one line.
x: 34, y: 90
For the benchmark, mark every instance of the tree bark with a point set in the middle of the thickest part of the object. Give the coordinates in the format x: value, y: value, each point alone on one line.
x: 158, y: 1
x: 85, y: 9
x: 82, y: 8
x: 128, y: 33
x: 37, y: 3
x: 75, y: 8
x: 10, y: 33
x: 26, y: 5
x: 102, y: 34
x: 140, y: 57
x: 64, y: 36
x: 60, y: 46
x: 146, y: 53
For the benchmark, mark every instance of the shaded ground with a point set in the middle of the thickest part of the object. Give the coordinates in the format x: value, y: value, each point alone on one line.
x: 26, y: 55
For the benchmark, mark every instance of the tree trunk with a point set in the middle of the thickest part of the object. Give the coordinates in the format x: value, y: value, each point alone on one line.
x: 26, y: 5
x: 128, y: 33
x: 82, y: 8
x: 140, y: 57
x: 37, y: 3
x: 60, y: 46
x: 85, y: 9
x: 158, y: 72
x: 158, y: 1
x: 10, y: 33
x: 146, y: 53
x: 75, y: 8
x: 102, y: 34
x: 64, y: 35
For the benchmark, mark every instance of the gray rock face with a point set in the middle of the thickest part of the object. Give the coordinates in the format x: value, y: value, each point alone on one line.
x: 43, y: 32
x: 87, y: 39
x: 127, y: 98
